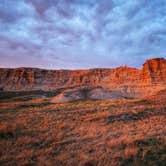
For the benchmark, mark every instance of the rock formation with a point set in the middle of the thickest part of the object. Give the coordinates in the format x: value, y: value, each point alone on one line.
x: 85, y: 93
x: 122, y: 81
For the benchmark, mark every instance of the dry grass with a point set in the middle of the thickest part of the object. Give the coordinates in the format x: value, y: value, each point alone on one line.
x: 83, y: 133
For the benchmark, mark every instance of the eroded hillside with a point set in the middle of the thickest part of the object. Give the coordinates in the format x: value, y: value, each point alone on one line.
x: 126, y: 81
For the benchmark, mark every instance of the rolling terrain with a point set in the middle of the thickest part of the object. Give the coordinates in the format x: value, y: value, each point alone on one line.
x: 35, y: 131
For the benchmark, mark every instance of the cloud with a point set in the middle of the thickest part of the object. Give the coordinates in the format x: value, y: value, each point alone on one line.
x: 81, y: 33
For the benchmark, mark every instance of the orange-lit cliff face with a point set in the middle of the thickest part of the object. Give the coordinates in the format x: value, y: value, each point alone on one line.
x: 126, y: 81
x: 154, y: 71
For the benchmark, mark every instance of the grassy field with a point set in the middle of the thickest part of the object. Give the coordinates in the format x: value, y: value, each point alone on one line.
x: 34, y: 131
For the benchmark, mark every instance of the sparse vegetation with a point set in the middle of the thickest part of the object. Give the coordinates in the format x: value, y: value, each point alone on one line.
x: 26, y: 95
x: 122, y: 132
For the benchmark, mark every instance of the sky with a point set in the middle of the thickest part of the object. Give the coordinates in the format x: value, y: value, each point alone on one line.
x: 79, y: 34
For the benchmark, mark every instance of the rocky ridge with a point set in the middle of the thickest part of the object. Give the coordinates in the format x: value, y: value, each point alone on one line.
x: 121, y: 81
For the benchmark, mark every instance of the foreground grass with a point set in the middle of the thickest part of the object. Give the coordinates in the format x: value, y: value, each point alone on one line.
x: 85, y: 133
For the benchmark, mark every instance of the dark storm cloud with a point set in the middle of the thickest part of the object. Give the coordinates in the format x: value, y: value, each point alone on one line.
x: 81, y: 33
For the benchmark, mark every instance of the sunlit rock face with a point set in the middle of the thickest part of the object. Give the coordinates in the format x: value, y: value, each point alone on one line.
x: 121, y: 81
x: 154, y: 71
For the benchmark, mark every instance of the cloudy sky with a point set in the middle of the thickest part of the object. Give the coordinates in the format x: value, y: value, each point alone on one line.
x: 81, y: 33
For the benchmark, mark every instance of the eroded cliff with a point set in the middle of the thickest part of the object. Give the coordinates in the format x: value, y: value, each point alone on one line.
x: 124, y: 81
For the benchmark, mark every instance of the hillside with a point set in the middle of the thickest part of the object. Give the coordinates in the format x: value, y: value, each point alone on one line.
x: 34, y: 131
x: 124, y: 81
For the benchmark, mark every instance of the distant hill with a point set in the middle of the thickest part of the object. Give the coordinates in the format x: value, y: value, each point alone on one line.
x: 122, y: 81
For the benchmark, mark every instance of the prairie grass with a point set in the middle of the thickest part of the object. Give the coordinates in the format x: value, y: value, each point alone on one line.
x: 83, y: 133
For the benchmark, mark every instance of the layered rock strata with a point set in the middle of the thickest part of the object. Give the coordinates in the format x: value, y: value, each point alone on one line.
x: 123, y: 81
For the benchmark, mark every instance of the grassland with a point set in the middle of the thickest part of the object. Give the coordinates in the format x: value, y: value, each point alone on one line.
x: 34, y: 131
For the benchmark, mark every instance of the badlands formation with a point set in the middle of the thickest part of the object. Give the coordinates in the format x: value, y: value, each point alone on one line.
x: 100, y: 83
